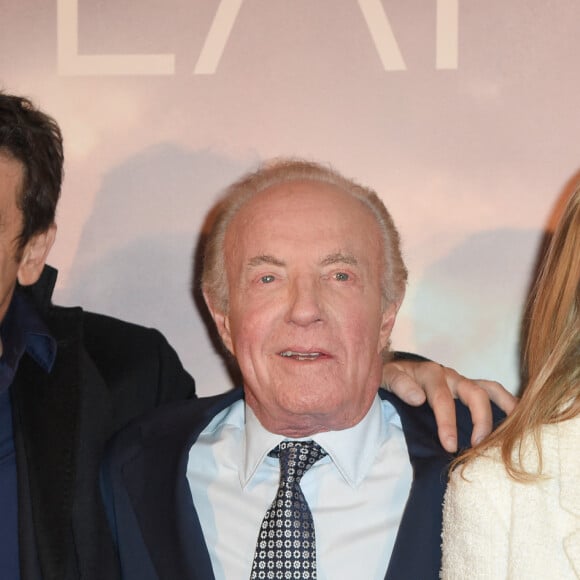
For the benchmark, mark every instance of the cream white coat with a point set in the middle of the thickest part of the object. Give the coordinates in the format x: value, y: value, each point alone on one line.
x: 497, y: 528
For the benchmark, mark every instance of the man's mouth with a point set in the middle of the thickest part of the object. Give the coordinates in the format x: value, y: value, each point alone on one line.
x: 302, y: 356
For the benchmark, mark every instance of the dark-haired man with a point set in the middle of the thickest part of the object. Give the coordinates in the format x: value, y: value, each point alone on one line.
x: 68, y: 379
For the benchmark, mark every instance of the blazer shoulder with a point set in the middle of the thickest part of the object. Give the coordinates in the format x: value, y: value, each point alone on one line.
x: 62, y: 321
x: 465, y: 423
x: 97, y: 326
x: 419, y: 422
x: 172, y: 426
x: 136, y: 362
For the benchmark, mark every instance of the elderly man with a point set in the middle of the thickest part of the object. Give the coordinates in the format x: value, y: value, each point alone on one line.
x: 309, y: 471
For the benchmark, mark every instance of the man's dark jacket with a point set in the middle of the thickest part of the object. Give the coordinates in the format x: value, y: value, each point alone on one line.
x: 155, y: 522
x: 106, y: 373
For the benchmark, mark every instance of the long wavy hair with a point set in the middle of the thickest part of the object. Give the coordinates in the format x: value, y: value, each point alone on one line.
x: 552, y: 352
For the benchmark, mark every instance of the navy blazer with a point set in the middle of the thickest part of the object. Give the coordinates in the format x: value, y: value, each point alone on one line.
x: 155, y: 524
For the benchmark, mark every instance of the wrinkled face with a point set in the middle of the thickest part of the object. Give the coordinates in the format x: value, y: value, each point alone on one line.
x: 305, y: 323
x: 26, y: 265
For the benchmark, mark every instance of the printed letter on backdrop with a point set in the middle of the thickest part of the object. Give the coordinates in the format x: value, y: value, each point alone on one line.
x: 70, y: 63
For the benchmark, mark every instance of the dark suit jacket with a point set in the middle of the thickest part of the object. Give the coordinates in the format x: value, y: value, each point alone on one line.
x: 106, y: 373
x: 155, y: 523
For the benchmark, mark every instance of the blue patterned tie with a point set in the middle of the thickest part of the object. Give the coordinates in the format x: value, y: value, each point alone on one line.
x: 286, y: 548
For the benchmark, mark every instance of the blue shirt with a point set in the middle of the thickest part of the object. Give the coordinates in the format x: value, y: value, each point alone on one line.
x: 21, y: 331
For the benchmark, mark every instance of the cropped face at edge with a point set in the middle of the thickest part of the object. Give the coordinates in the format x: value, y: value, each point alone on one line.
x: 17, y: 264
x: 305, y: 323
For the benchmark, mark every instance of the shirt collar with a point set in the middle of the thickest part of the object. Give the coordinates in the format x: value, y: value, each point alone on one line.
x: 352, y: 450
x: 22, y: 330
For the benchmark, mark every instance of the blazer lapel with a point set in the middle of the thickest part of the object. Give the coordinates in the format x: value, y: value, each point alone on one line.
x: 417, y: 551
x: 158, y: 490
x: 46, y: 407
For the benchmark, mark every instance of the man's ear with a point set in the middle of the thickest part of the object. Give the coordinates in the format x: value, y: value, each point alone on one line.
x: 388, y: 321
x: 222, y: 323
x: 34, y: 256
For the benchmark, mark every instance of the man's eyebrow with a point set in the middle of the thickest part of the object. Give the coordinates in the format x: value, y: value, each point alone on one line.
x: 264, y: 259
x: 339, y: 258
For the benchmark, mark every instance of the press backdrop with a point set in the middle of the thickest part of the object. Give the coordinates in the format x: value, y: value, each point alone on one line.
x: 462, y: 114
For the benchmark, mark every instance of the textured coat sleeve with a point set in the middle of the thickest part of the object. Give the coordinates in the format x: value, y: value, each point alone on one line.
x: 476, y: 516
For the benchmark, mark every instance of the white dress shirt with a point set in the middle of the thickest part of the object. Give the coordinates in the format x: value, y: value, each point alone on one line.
x: 357, y: 494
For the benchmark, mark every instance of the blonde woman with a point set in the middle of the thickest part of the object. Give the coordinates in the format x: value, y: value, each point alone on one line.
x: 512, y: 508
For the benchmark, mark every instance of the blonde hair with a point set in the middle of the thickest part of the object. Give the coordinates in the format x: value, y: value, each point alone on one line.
x: 214, y: 276
x: 552, y: 352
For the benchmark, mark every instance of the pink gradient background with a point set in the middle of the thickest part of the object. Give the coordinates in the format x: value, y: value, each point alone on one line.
x: 471, y: 161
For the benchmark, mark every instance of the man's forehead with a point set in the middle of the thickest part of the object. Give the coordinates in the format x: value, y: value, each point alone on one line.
x: 7, y: 156
x: 11, y: 182
x: 298, y: 196
x: 307, y: 187
x: 318, y: 220
x: 11, y: 177
x: 297, y: 211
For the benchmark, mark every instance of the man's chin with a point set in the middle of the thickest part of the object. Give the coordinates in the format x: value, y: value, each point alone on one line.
x: 310, y: 417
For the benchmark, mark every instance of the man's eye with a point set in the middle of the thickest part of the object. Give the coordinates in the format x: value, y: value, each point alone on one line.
x: 341, y: 276
x: 267, y: 279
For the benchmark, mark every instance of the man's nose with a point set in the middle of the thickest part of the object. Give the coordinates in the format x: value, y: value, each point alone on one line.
x: 304, y: 305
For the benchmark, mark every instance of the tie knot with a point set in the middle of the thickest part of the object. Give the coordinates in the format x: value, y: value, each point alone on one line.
x: 296, y: 458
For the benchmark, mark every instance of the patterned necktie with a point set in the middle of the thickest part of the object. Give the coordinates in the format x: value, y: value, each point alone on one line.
x: 286, y: 548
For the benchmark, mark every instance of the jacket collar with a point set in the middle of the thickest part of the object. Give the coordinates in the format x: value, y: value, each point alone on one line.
x: 417, y: 550
x: 23, y: 330
x: 46, y: 455
x: 40, y: 293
